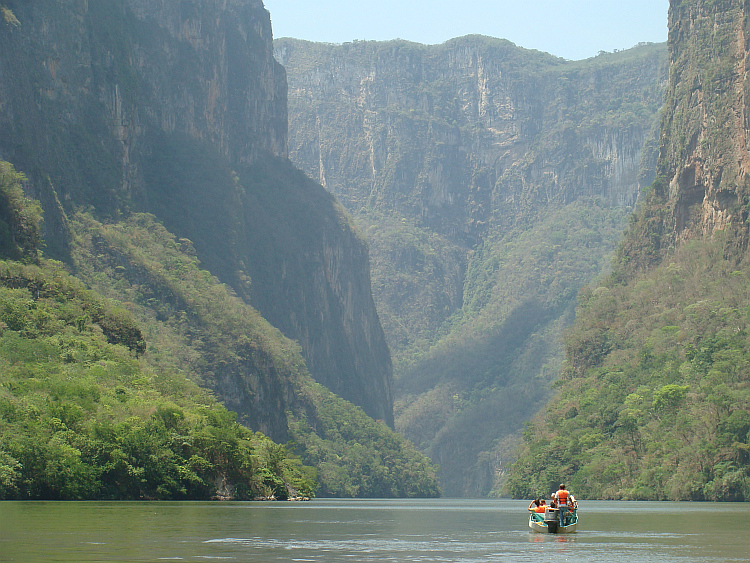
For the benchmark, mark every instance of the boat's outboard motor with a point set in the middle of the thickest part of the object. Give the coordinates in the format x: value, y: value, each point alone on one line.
x: 551, y: 519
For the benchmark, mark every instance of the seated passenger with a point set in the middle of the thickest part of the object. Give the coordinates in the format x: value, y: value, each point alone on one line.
x: 537, y: 508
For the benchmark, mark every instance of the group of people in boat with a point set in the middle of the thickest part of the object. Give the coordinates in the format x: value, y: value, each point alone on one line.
x: 561, y: 501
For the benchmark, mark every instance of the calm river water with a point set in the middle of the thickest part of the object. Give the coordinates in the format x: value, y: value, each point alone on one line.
x: 442, y: 530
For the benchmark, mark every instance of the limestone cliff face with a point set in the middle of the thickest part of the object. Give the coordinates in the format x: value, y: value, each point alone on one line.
x: 471, y: 131
x: 310, y: 278
x: 491, y: 182
x: 112, y: 73
x: 704, y: 141
x: 179, y: 108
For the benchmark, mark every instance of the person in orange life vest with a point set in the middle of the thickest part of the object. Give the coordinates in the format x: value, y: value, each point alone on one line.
x: 565, y: 502
x: 538, y: 506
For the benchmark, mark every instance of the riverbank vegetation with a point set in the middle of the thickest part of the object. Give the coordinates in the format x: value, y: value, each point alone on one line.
x: 81, y: 418
x: 654, y: 399
x: 198, y: 326
x: 104, y: 381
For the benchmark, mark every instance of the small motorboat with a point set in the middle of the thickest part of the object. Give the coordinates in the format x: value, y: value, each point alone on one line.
x: 549, y: 522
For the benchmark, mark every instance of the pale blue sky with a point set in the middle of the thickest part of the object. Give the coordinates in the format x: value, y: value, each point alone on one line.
x: 573, y: 29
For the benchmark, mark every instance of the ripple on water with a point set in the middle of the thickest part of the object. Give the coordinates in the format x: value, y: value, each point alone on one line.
x: 419, y: 531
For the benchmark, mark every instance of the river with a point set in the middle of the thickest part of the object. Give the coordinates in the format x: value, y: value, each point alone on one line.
x: 443, y: 530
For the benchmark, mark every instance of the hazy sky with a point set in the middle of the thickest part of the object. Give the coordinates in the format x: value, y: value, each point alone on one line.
x: 573, y: 29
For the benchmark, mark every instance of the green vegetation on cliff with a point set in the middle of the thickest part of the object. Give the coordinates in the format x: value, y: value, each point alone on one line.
x: 198, y: 326
x: 499, y: 353
x: 20, y: 218
x: 8, y: 15
x: 103, y: 389
x: 654, y: 399
x: 276, y: 237
x: 82, y: 418
x: 356, y: 456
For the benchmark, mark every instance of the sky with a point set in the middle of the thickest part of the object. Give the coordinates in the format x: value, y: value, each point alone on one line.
x: 572, y: 29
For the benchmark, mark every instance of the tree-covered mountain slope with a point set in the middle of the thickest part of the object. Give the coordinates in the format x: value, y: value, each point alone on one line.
x: 83, y: 415
x: 196, y: 326
x: 491, y: 183
x: 105, y: 397
x: 179, y: 109
x: 654, y: 399
x: 83, y: 419
x: 153, y: 137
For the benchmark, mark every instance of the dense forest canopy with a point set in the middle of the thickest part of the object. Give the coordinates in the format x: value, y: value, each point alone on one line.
x: 654, y: 399
x: 197, y: 326
x: 82, y: 418
x: 100, y: 397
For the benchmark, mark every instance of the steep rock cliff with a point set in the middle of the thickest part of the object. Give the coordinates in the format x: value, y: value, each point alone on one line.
x: 471, y: 130
x: 491, y: 182
x: 703, y: 162
x: 111, y: 74
x: 704, y: 155
x: 466, y: 137
x: 179, y: 108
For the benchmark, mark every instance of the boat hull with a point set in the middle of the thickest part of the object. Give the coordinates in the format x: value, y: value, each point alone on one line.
x: 542, y: 528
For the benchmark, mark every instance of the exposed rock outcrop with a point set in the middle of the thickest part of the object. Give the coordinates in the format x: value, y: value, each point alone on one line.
x: 704, y: 155
x: 471, y: 131
x: 702, y: 180
x: 179, y: 108
x: 460, y: 162
x: 111, y: 73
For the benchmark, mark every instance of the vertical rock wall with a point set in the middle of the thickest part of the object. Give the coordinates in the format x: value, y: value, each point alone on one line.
x: 178, y: 107
x: 451, y: 156
x: 113, y: 73
x: 471, y: 131
x: 704, y: 151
